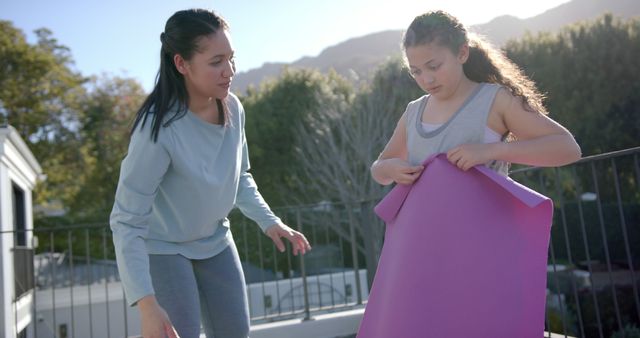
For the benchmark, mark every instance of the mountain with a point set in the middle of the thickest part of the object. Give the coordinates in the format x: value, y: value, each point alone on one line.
x: 356, y: 58
x: 504, y: 28
x: 353, y: 59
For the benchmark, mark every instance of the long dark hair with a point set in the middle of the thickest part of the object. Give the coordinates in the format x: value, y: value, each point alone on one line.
x: 180, y: 36
x: 485, y: 63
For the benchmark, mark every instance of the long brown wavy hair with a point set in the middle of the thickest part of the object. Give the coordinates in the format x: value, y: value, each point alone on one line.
x: 485, y: 63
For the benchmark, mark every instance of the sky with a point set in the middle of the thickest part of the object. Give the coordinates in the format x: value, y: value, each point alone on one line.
x: 122, y: 37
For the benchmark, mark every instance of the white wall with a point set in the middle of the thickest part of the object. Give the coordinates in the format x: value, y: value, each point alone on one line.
x: 324, y: 291
x: 89, y: 319
x: 19, y: 167
x: 7, y: 320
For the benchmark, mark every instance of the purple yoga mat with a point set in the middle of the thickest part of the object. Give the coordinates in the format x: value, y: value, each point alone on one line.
x: 465, y: 255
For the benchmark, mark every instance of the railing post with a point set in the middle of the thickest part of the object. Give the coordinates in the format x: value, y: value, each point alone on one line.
x: 585, y: 242
x: 605, y: 243
x: 625, y: 236
x: 568, y: 247
x: 35, y: 283
x: 369, y: 245
x: 354, y: 252
x: 303, y: 271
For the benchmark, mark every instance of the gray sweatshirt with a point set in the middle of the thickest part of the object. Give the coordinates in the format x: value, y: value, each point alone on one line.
x: 174, y: 195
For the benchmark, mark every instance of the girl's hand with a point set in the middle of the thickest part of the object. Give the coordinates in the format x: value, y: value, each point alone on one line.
x: 467, y: 156
x: 155, y: 321
x: 297, y: 239
x: 401, y: 171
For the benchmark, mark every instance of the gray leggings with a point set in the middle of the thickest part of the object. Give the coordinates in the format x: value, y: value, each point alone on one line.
x: 220, y: 300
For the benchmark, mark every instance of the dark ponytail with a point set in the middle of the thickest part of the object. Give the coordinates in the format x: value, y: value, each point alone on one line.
x: 181, y: 34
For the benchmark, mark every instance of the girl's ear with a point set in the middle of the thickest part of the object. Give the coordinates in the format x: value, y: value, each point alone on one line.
x: 463, y: 53
x: 181, y: 64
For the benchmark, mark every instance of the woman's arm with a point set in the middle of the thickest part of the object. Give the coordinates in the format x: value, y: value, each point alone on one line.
x: 141, y: 172
x: 252, y: 204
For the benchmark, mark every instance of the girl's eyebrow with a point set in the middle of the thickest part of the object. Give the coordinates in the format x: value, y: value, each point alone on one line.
x: 430, y: 61
x: 426, y: 63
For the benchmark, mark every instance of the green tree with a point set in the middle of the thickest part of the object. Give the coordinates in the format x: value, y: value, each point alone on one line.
x: 40, y: 93
x: 105, y: 122
x: 76, y: 127
x: 339, y: 143
x: 344, y: 137
x: 38, y: 87
x: 273, y: 112
x: 590, y: 74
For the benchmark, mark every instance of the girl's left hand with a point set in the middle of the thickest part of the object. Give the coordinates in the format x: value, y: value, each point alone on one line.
x: 297, y: 239
x: 467, y: 156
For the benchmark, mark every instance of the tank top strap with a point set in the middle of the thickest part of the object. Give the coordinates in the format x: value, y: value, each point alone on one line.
x: 483, y: 101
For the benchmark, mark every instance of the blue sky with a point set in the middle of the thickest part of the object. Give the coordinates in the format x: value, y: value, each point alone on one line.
x: 121, y: 37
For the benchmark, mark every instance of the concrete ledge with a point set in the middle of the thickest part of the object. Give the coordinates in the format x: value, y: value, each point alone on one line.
x: 329, y: 325
x: 555, y: 335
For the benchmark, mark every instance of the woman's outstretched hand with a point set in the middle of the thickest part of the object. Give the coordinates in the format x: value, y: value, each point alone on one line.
x: 297, y: 239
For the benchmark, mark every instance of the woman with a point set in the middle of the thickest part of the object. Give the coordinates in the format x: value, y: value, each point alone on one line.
x: 185, y: 170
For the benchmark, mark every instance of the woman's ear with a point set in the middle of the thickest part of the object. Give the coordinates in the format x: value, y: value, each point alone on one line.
x: 463, y: 53
x: 181, y: 64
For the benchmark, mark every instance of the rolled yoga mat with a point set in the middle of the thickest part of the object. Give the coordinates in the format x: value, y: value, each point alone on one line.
x: 464, y: 255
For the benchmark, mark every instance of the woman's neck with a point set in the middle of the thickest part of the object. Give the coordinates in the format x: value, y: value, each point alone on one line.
x: 205, y: 108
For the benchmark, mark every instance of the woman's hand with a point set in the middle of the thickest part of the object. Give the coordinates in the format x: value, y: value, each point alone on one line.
x: 467, y: 156
x: 155, y: 321
x: 400, y: 171
x: 297, y: 239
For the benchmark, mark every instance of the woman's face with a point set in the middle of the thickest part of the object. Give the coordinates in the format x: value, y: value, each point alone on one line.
x: 209, y: 72
x: 436, y: 69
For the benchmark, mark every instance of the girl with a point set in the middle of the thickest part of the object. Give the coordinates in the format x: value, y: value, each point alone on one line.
x: 476, y: 100
x: 459, y: 74
x: 185, y: 170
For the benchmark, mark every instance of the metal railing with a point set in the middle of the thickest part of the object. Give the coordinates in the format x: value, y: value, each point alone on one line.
x: 592, y: 279
x: 594, y: 252
x: 77, y: 293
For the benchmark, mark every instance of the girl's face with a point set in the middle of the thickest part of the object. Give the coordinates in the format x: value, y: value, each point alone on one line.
x: 209, y: 72
x: 436, y: 69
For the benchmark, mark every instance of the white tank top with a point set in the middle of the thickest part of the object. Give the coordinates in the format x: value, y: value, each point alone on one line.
x: 467, y: 125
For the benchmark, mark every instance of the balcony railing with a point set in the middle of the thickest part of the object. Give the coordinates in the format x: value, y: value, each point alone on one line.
x: 594, y: 254
x: 23, y: 270
x: 593, y: 277
x: 78, y: 291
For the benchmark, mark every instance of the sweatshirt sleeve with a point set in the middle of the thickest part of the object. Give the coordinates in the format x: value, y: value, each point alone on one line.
x: 141, y: 173
x: 248, y: 198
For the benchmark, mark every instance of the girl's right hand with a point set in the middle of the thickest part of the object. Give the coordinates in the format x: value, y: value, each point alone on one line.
x: 155, y: 321
x: 401, y: 171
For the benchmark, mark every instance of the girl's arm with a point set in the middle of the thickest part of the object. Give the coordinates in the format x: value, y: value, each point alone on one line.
x: 392, y: 164
x: 541, y: 141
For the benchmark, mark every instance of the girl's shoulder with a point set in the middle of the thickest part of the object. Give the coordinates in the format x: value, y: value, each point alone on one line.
x: 414, y: 106
x: 419, y: 100
x: 502, y: 97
